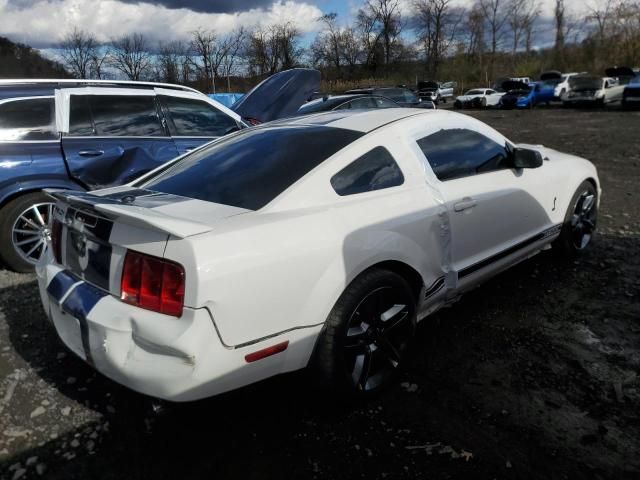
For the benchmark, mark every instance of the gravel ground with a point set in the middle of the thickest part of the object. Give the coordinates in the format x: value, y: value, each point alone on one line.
x: 533, y: 375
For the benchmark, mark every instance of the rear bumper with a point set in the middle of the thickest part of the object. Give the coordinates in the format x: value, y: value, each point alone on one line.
x: 176, y: 359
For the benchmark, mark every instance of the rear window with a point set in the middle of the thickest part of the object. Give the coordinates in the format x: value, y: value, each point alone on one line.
x: 31, y: 119
x: 251, y: 168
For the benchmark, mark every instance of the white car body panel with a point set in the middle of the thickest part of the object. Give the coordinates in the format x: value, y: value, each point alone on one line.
x: 491, y: 97
x: 610, y: 91
x: 258, y: 278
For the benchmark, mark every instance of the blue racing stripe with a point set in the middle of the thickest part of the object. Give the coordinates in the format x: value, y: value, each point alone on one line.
x: 60, y: 285
x: 83, y: 298
x: 78, y: 304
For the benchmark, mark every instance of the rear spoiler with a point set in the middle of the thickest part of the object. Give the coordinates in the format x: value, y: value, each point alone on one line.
x: 132, y: 215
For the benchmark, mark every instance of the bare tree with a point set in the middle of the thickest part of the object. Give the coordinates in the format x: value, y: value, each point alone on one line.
x: 99, y: 60
x: 215, y: 55
x: 78, y: 50
x: 274, y: 48
x: 370, y: 35
x: 600, y: 13
x: 328, y: 44
x: 203, y: 46
x: 475, y: 30
x: 130, y: 55
x: 170, y: 60
x: 521, y: 17
x: 387, y: 19
x: 437, y: 26
x: 352, y: 52
x: 559, y: 17
x: 236, y: 45
x: 495, y: 15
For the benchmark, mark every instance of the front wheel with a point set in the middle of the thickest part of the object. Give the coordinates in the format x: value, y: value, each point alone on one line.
x: 579, y: 223
x: 24, y: 230
x: 367, y: 334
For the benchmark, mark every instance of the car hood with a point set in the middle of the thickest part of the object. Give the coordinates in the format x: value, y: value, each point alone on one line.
x: 585, y: 83
x: 427, y: 85
x: 620, y: 72
x: 551, y: 75
x: 511, y: 86
x: 279, y: 96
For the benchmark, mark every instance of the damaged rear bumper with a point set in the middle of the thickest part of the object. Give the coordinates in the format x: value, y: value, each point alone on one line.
x: 176, y: 359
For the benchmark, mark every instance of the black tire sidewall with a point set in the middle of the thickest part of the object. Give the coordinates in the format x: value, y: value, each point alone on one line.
x: 563, y: 245
x: 8, y: 216
x: 328, y: 359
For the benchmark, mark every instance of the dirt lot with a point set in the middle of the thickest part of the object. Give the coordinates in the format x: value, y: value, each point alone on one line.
x: 534, y: 375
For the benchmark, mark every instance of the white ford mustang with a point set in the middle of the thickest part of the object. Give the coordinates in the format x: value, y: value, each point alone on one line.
x: 316, y: 241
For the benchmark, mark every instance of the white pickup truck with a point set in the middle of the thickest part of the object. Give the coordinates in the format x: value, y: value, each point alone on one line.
x: 434, y: 91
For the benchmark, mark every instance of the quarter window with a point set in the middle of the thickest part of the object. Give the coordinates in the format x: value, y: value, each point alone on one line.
x: 31, y: 119
x: 194, y: 118
x: 115, y: 115
x: 374, y: 170
x: 460, y: 152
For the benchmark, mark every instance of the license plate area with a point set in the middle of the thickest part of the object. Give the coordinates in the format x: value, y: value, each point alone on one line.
x: 87, y: 248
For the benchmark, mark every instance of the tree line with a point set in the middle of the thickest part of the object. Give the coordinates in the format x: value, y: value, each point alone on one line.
x: 438, y: 39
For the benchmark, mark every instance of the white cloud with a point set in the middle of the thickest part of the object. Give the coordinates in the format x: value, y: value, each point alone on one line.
x: 45, y: 22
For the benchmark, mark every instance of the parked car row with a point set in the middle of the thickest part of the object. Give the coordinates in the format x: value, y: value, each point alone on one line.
x: 620, y: 86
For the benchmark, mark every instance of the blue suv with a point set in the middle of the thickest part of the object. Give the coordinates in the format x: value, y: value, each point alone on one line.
x: 85, y: 135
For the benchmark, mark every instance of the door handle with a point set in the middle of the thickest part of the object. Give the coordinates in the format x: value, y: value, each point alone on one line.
x: 90, y: 153
x: 465, y: 204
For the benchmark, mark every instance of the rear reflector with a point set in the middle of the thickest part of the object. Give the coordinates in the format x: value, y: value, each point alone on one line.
x: 266, y: 352
x: 152, y: 283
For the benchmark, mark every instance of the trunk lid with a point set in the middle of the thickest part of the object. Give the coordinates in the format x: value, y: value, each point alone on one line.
x: 278, y: 96
x: 96, y: 229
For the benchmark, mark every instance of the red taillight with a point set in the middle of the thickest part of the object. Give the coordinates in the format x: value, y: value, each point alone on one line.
x: 152, y: 283
x: 56, y: 240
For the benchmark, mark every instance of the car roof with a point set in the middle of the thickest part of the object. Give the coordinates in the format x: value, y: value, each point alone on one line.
x: 29, y: 87
x: 359, y: 120
x: 335, y: 100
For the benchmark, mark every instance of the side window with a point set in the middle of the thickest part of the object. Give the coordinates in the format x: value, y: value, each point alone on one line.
x: 125, y: 116
x: 382, y: 102
x: 31, y: 119
x: 195, y: 118
x: 374, y: 170
x: 459, y: 153
x: 344, y: 106
x: 362, y: 103
x: 80, y: 123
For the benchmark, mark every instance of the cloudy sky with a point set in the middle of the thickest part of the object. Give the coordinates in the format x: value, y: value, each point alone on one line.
x: 43, y: 23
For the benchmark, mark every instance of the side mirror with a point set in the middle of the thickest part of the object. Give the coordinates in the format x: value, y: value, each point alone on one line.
x: 524, y: 158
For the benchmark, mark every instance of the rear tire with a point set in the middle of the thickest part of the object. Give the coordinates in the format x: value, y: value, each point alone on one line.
x: 579, y: 223
x: 24, y: 230
x: 367, y: 334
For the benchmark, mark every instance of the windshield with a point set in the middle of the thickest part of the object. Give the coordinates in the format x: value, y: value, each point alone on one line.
x: 399, y: 95
x: 320, y: 105
x: 585, y: 83
x: 475, y: 92
x: 252, y: 167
